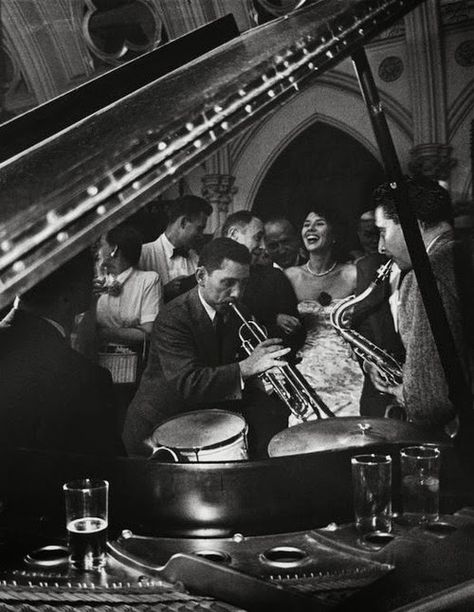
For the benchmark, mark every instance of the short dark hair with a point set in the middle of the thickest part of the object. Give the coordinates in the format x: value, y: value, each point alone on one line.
x: 241, y: 219
x: 129, y: 241
x: 215, y: 251
x: 431, y: 203
x: 283, y: 221
x: 190, y: 206
x: 338, y: 227
x: 330, y: 213
x: 79, y: 269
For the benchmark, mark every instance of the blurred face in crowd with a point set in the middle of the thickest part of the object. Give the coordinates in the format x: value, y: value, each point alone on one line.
x: 391, y: 240
x: 225, y: 283
x: 282, y: 243
x: 368, y: 233
x: 250, y: 236
x: 317, y: 233
x: 108, y: 257
x: 192, y: 230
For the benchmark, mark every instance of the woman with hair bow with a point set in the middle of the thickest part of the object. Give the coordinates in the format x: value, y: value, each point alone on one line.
x: 127, y: 304
x: 129, y: 299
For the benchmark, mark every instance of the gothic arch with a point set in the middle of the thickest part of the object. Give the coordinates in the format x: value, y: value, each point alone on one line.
x: 339, y: 107
x: 460, y: 113
x: 459, y: 123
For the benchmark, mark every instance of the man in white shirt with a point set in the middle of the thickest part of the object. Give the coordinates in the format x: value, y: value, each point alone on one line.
x: 172, y: 254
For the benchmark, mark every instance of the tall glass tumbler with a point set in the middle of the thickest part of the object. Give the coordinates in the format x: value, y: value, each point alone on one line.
x: 372, y: 487
x: 420, y: 483
x: 87, y: 509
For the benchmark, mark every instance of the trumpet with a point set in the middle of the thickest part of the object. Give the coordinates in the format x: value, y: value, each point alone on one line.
x: 288, y: 382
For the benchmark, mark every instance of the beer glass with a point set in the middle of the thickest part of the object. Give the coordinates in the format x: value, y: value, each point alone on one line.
x: 420, y: 483
x: 87, y: 503
x: 372, y: 487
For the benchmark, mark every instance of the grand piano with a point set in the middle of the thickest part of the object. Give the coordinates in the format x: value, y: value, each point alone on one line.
x: 63, y: 187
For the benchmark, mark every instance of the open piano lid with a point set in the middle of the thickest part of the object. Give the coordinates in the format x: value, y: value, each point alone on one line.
x: 60, y: 195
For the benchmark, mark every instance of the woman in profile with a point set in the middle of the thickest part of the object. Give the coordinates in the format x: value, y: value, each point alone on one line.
x: 325, y: 279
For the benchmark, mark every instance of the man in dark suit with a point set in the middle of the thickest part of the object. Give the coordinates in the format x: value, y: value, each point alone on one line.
x: 269, y: 295
x: 192, y: 366
x: 52, y: 397
x: 283, y: 243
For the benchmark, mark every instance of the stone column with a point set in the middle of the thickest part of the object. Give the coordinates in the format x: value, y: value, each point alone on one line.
x: 431, y: 155
x: 218, y: 190
x: 433, y: 160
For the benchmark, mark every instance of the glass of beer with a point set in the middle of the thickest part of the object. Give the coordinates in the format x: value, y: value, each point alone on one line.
x: 87, y: 506
x: 420, y: 483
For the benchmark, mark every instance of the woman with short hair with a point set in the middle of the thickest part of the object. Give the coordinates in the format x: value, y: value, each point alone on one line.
x: 319, y: 284
x: 130, y: 299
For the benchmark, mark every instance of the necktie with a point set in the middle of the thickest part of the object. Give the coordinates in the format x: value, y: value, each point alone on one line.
x: 219, y: 330
x: 180, y: 252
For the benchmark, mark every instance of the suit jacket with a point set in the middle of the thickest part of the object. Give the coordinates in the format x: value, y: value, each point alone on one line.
x: 425, y: 389
x: 52, y: 397
x: 268, y: 293
x: 185, y: 370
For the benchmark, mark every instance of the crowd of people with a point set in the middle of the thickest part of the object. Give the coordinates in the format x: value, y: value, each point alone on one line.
x: 167, y: 302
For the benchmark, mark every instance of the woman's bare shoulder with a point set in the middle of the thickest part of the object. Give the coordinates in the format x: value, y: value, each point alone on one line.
x: 294, y: 273
x: 349, y: 273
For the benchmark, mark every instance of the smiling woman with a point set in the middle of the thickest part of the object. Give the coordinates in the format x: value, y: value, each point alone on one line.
x: 320, y: 284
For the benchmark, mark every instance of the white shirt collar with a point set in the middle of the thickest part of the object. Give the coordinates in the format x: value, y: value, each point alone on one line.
x: 209, y: 309
x: 57, y: 325
x: 168, y: 246
x: 123, y: 276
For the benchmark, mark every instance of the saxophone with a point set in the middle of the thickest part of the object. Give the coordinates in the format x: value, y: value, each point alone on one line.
x: 363, y: 348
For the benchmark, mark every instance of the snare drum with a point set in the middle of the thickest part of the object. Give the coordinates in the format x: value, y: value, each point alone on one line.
x: 202, y: 435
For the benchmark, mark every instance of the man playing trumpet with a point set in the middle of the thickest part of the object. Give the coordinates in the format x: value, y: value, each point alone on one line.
x: 194, y: 355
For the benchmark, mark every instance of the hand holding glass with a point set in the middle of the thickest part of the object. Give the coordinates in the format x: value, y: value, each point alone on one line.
x: 372, y: 486
x: 87, y: 521
x: 420, y: 483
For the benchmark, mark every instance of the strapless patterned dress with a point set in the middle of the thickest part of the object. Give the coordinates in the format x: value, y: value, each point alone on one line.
x: 327, y: 362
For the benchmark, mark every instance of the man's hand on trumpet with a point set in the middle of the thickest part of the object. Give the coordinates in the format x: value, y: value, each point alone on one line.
x: 266, y: 355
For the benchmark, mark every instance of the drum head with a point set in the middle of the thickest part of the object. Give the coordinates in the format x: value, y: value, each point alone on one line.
x: 199, y: 429
x: 343, y: 432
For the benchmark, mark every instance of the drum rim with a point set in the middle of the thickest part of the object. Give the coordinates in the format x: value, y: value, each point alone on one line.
x: 214, y: 445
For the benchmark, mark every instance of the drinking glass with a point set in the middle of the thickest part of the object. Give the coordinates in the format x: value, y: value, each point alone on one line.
x: 420, y: 483
x: 87, y: 504
x: 372, y: 487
